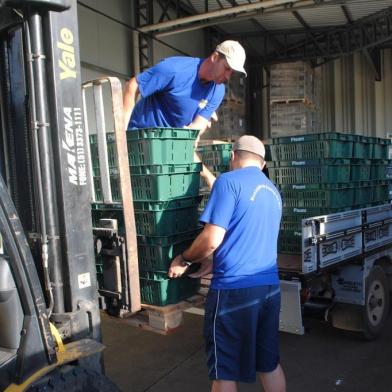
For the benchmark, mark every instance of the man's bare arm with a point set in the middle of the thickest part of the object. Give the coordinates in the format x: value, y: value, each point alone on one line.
x: 131, y: 92
x: 203, y: 246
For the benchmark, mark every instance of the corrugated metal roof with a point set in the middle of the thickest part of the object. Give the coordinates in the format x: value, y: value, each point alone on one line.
x: 329, y: 15
x: 361, y: 10
x: 319, y: 15
x: 279, y: 21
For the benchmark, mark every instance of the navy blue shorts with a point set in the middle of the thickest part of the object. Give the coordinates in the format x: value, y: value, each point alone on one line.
x: 241, y: 332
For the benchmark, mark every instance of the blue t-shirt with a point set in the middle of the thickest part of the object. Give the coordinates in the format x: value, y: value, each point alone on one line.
x: 249, y: 207
x: 172, y: 94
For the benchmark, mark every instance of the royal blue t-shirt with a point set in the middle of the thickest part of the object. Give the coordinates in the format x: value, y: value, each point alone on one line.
x: 172, y: 94
x: 246, y: 204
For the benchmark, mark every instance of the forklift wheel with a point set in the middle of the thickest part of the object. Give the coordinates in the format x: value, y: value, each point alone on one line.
x: 74, y: 379
x: 376, y: 308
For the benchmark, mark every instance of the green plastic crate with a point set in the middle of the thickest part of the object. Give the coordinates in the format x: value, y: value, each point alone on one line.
x: 166, y: 218
x: 111, y: 150
x: 360, y: 170
x: 378, y: 169
x: 381, y: 192
x: 290, y: 242
x: 149, y: 146
x: 161, y: 146
x: 157, y: 289
x: 153, y: 257
x: 310, y: 171
x: 363, y: 147
x: 268, y: 155
x: 321, y: 195
x: 114, y: 185
x: 165, y: 182
x: 364, y: 193
x: 314, y: 146
x: 215, y: 154
x: 292, y: 216
x: 381, y: 148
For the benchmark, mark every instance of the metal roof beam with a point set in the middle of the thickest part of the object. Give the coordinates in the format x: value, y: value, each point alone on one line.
x: 231, y: 15
x: 216, y: 14
x: 365, y: 34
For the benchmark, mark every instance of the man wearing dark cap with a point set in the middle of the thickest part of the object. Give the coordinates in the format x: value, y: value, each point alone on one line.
x: 182, y: 91
x: 241, y: 226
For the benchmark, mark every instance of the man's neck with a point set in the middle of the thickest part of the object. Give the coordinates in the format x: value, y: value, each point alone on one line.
x: 204, y: 71
x: 248, y: 163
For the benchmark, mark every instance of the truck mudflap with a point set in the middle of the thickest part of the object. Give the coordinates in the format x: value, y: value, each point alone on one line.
x: 290, y: 310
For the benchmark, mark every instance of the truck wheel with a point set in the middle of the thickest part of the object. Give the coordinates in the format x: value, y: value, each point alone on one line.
x: 74, y: 379
x: 376, y: 309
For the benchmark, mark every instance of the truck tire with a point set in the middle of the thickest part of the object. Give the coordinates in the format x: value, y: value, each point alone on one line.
x: 376, y: 309
x: 74, y: 379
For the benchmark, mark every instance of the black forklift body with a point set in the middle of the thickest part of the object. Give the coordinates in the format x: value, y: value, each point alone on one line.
x: 44, y: 166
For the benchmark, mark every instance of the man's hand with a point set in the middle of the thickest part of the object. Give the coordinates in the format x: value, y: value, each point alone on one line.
x: 176, y: 267
x: 205, y: 269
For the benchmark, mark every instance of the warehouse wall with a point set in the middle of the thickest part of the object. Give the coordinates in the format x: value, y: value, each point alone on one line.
x: 352, y: 100
x: 105, y: 44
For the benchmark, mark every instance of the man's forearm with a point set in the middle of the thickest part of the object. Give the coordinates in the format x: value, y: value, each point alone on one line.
x: 204, y: 244
x: 131, y: 92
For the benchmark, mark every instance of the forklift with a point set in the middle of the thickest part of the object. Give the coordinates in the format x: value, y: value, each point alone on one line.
x: 50, y: 328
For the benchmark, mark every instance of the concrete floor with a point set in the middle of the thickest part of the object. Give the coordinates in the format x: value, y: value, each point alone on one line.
x: 323, y: 360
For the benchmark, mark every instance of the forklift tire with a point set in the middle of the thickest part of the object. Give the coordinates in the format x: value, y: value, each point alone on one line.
x: 376, y: 309
x: 74, y: 379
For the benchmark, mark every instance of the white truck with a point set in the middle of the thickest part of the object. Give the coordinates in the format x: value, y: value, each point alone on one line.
x: 343, y: 273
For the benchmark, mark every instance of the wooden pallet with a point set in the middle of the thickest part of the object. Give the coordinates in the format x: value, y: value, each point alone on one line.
x: 164, y: 319
x: 305, y: 101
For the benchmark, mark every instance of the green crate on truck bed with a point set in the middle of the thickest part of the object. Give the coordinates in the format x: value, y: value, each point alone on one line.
x: 378, y: 169
x: 360, y: 170
x: 155, y: 256
x: 381, y: 148
x: 310, y: 171
x: 364, y: 193
x: 165, y: 182
x: 290, y: 242
x: 363, y: 147
x: 313, y: 146
x: 382, y: 192
x: 215, y: 154
x: 161, y: 146
x: 318, y: 195
x: 292, y: 216
x: 157, y: 289
x: 166, y: 217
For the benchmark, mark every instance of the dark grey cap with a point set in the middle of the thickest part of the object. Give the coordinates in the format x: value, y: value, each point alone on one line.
x: 251, y: 144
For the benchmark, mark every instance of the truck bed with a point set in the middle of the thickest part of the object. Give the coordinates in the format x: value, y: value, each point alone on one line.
x: 290, y: 263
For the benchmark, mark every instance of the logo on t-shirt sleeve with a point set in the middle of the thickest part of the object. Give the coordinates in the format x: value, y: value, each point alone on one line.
x: 203, y: 103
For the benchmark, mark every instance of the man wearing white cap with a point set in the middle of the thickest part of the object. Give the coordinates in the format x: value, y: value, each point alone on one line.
x: 241, y: 226
x: 182, y: 91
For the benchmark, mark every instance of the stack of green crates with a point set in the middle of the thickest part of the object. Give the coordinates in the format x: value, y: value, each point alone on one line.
x: 216, y: 158
x: 325, y: 173
x: 165, y: 187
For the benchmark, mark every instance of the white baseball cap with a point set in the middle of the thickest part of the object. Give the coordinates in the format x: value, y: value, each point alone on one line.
x: 234, y: 53
x: 251, y: 144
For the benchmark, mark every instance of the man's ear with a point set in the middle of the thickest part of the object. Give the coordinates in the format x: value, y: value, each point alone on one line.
x: 231, y: 155
x: 214, y: 57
